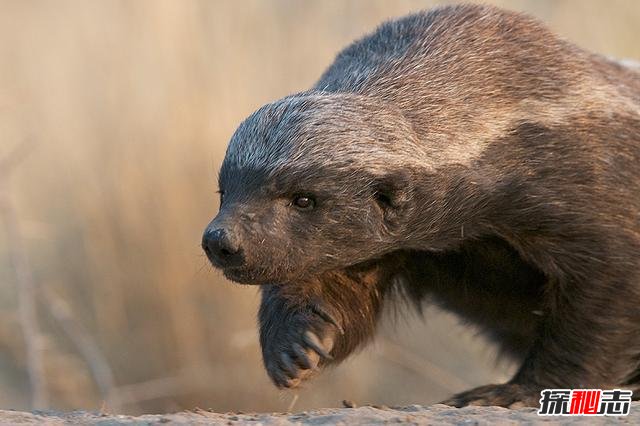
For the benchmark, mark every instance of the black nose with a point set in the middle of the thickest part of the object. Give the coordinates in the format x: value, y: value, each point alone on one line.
x: 221, y: 250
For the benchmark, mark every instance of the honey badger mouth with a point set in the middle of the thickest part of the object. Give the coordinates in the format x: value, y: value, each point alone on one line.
x: 244, y: 275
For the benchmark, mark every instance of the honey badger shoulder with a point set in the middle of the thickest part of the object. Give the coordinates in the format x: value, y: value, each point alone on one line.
x: 465, y: 155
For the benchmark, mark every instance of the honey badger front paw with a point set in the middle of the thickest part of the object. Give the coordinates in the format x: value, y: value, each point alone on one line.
x: 508, y: 395
x: 293, y: 349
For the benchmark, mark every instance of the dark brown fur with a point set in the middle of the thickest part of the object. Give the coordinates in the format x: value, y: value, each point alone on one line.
x: 465, y: 156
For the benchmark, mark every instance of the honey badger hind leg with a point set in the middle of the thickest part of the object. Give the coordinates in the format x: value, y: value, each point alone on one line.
x: 589, y: 334
x: 489, y: 286
x: 570, y: 322
x: 511, y: 395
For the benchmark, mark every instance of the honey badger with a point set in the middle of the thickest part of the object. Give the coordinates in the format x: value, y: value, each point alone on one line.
x: 466, y: 156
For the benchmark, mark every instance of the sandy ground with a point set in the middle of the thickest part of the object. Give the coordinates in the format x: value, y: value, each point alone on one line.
x: 415, y: 414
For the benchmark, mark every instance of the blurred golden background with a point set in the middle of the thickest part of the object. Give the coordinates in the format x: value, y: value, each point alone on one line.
x: 114, y: 118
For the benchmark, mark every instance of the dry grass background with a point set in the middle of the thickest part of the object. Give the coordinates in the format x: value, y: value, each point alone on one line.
x: 130, y: 105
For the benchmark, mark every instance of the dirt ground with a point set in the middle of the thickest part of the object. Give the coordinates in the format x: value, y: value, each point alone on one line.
x: 414, y: 414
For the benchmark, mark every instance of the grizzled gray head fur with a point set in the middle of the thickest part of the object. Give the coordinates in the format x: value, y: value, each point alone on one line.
x: 311, y: 182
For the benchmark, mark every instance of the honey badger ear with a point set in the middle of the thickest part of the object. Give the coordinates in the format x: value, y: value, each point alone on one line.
x: 391, y: 193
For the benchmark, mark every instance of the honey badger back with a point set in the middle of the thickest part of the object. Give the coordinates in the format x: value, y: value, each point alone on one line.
x: 466, y: 155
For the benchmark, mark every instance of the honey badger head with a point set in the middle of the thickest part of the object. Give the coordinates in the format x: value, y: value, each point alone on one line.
x: 311, y: 182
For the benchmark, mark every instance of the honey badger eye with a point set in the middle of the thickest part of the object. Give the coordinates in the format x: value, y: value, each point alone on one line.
x: 304, y: 202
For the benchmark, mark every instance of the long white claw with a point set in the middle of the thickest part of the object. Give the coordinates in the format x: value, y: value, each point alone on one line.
x: 314, y: 343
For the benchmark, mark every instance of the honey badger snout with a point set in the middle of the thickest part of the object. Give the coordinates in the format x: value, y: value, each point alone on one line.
x: 221, y: 247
